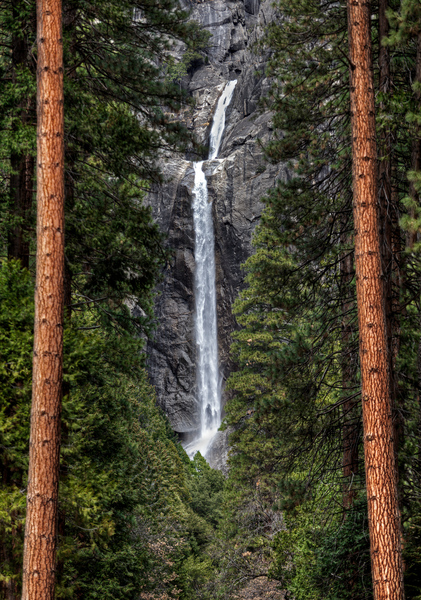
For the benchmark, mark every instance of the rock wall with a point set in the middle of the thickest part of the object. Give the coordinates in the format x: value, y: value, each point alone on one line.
x: 236, y: 185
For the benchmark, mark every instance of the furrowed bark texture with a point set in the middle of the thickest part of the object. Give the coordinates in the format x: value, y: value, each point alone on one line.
x: 42, y: 499
x: 383, y: 510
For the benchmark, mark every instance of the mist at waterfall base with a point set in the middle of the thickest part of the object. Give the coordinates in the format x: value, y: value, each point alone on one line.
x: 206, y: 330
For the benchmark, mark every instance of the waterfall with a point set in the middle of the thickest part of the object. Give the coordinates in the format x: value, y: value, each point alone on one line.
x: 208, y: 385
x: 218, y: 124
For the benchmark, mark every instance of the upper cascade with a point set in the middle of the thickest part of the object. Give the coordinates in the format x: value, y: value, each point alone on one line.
x: 218, y: 124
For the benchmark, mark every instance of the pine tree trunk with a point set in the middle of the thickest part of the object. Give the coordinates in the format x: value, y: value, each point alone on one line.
x: 415, y: 197
x: 42, y: 498
x: 383, y: 510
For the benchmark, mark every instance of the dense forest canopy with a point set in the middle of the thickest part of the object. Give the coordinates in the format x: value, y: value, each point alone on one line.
x: 136, y: 517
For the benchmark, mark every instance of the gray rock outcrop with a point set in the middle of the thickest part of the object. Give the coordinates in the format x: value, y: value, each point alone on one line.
x: 236, y: 183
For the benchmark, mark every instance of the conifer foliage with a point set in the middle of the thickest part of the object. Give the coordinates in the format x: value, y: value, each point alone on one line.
x: 296, y: 411
x: 128, y: 526
x: 130, y: 519
x: 324, y: 464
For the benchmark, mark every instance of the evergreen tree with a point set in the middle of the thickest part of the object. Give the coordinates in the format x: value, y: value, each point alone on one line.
x: 383, y: 508
x: 296, y: 412
x: 299, y: 308
x: 125, y: 521
x: 17, y: 126
x: 39, y: 558
x: 117, y: 106
x: 130, y: 502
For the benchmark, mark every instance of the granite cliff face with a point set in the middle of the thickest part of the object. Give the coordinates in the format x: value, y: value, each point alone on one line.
x: 236, y: 182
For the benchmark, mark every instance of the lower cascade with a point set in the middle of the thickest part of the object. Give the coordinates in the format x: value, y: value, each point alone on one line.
x: 206, y: 329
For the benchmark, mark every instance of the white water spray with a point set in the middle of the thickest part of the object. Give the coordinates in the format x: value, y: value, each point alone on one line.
x: 218, y: 124
x: 209, y: 393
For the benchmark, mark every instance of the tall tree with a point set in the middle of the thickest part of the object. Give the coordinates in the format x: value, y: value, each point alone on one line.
x: 350, y: 431
x: 42, y: 495
x: 390, y: 233
x: 303, y: 268
x: 384, y: 518
x: 22, y: 164
x: 17, y: 125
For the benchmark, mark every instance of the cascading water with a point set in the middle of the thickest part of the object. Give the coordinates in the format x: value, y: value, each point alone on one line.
x: 205, y: 293
x: 218, y: 124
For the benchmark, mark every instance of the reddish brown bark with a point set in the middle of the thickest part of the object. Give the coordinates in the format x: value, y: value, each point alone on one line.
x: 383, y: 510
x: 42, y: 499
